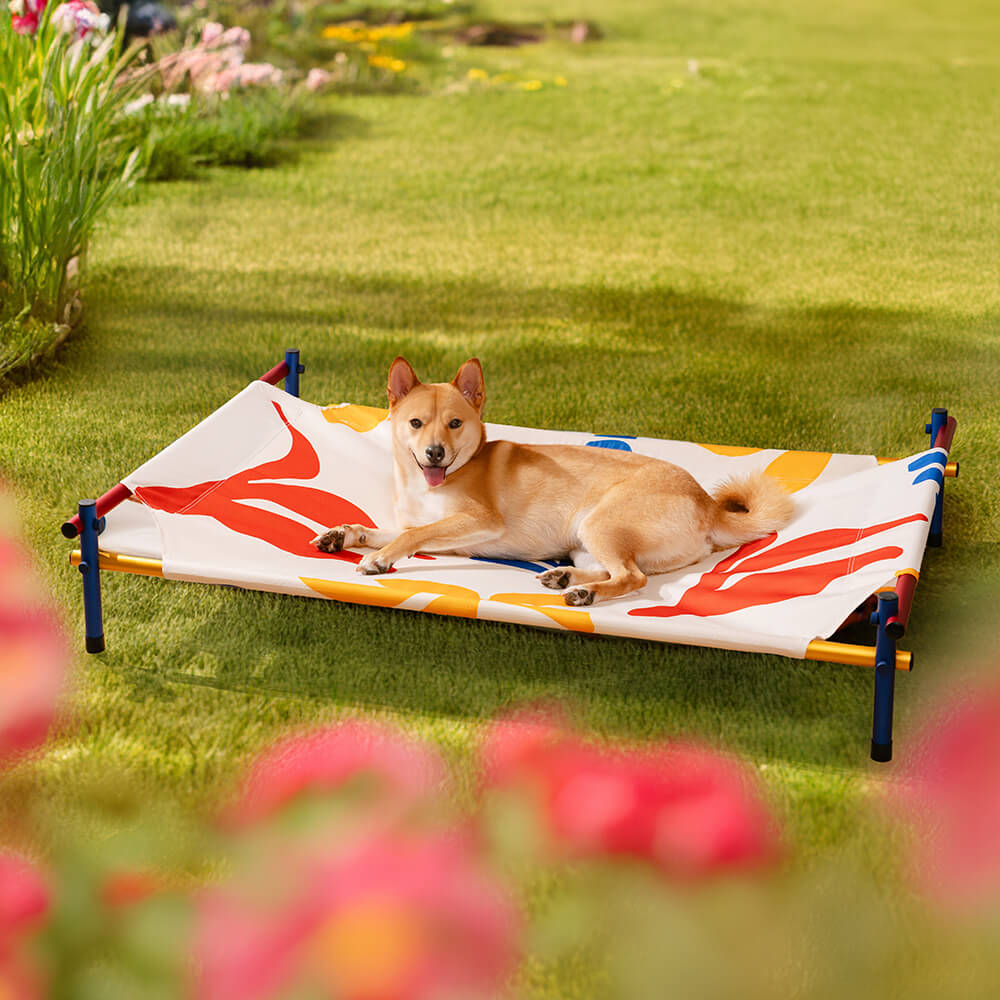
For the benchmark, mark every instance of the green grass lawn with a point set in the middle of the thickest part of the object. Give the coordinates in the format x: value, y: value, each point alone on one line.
x: 768, y: 224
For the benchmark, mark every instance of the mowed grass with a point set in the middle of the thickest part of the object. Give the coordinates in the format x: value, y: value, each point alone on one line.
x: 747, y: 223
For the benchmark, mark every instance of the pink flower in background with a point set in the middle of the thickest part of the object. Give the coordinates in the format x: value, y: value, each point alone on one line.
x: 951, y: 794
x: 80, y: 18
x: 236, y: 37
x: 318, y: 78
x: 220, y: 82
x: 33, y: 652
x: 391, y: 918
x: 24, y: 904
x: 24, y: 898
x: 688, y: 810
x: 25, y: 15
x: 215, y: 36
x: 325, y: 762
x: 259, y: 75
x: 211, y: 33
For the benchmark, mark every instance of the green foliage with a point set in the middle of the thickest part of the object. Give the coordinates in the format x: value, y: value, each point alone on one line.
x: 248, y: 129
x: 61, y: 164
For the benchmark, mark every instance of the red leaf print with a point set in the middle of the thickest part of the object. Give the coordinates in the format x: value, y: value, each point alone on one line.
x: 225, y: 501
x: 707, y: 598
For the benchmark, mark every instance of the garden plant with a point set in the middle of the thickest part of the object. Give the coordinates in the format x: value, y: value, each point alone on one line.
x: 60, y: 165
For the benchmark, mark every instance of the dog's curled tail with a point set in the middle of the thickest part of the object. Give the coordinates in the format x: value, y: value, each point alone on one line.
x: 748, y: 508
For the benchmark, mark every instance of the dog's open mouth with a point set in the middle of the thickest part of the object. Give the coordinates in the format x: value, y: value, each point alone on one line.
x: 434, y: 474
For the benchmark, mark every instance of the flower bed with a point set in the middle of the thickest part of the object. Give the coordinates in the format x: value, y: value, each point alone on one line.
x: 60, y: 165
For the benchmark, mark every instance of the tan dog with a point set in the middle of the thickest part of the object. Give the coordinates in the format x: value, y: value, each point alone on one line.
x: 616, y: 514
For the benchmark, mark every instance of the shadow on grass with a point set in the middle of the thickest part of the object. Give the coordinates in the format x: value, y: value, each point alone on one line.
x: 839, y: 377
x: 413, y: 663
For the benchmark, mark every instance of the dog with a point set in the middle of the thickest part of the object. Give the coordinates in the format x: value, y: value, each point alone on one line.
x: 617, y: 515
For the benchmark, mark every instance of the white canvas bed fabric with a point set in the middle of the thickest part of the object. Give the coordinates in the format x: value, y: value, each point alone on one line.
x: 237, y: 499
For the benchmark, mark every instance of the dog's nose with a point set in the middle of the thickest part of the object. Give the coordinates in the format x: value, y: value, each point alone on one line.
x: 435, y: 454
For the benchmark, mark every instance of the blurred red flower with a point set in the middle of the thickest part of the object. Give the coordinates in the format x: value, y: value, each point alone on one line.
x: 390, y: 918
x: 349, y: 754
x: 25, y: 15
x: 33, y: 651
x: 690, y: 811
x: 24, y: 903
x: 951, y: 794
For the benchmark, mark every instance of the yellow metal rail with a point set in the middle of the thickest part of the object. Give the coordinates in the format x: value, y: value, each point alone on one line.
x: 854, y: 656
x: 124, y: 564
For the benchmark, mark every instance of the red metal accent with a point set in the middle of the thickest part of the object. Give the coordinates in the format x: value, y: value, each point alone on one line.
x: 109, y: 501
x: 906, y: 584
x: 276, y: 374
x: 945, y: 435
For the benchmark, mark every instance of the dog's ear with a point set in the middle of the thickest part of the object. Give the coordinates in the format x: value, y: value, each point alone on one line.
x: 470, y: 383
x: 402, y: 379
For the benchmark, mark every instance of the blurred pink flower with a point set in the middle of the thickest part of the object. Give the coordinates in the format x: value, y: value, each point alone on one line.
x: 237, y: 37
x: 688, y: 810
x: 220, y: 82
x: 951, y: 794
x: 211, y: 32
x: 391, y: 918
x: 80, y: 18
x: 317, y: 78
x: 25, y: 15
x: 33, y: 653
x: 329, y: 760
x: 24, y: 904
x: 24, y: 897
x: 197, y: 64
x: 259, y: 75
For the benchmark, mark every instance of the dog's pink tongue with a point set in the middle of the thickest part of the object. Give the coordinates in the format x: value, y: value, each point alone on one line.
x: 434, y: 475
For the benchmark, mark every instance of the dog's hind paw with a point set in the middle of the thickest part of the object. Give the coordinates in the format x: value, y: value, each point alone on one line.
x: 577, y: 597
x: 330, y: 541
x: 555, y: 579
x: 371, y: 566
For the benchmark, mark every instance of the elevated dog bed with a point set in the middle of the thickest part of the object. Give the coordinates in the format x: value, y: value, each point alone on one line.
x: 237, y: 499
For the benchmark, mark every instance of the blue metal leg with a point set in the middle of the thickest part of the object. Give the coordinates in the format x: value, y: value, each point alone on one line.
x: 885, y: 677
x: 91, y: 527
x: 939, y: 419
x: 294, y: 371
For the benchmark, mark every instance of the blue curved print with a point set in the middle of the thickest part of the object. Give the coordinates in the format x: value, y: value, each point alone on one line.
x: 616, y: 444
x: 935, y: 473
x: 523, y: 563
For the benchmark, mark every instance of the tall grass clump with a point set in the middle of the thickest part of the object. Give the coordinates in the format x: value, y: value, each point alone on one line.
x: 61, y: 164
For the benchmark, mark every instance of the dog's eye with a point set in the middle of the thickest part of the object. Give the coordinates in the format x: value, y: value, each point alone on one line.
x: 455, y: 424
x: 414, y: 423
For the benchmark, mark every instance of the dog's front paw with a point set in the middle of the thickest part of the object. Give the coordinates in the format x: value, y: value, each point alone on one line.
x: 555, y: 579
x: 580, y: 596
x: 372, y: 565
x: 330, y: 541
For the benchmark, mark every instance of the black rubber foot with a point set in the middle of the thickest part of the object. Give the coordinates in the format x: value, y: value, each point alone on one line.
x: 95, y: 643
x: 882, y: 752
x: 934, y: 540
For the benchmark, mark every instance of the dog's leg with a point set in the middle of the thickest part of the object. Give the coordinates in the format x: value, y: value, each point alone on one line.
x: 623, y: 577
x: 347, y: 536
x: 609, y: 543
x: 585, y: 569
x: 457, y: 533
